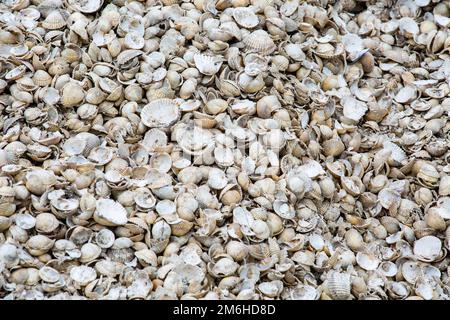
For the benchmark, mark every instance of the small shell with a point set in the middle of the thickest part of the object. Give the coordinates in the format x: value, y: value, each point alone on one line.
x: 54, y: 21
x: 83, y: 275
x: 367, y: 261
x: 339, y: 285
x: 427, y: 248
x: 259, y: 41
x: 110, y: 213
x: 207, y: 65
x: 160, y: 113
x: 245, y: 17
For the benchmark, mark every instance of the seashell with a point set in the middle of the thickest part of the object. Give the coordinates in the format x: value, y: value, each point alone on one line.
x: 90, y: 6
x: 82, y: 275
x: 367, y: 261
x: 245, y: 17
x: 207, y: 65
x: 339, y: 285
x: 160, y: 113
x: 110, y: 213
x: 259, y: 41
x: 72, y: 94
x: 427, y: 248
x: 54, y: 21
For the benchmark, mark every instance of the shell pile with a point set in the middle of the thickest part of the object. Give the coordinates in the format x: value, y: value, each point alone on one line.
x: 224, y: 149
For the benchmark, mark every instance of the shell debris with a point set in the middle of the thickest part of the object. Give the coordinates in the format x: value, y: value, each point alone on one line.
x: 229, y: 149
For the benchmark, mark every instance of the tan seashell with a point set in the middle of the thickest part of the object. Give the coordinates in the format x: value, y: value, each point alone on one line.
x: 259, y: 41
x: 110, y: 213
x: 54, y: 21
x: 339, y: 285
x: 160, y: 113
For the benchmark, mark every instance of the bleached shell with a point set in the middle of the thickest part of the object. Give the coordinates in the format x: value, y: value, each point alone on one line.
x: 312, y: 169
x: 353, y: 109
x: 271, y: 289
x: 74, y: 146
x: 406, y: 94
x: 304, y: 292
x: 427, y: 248
x: 283, y: 209
x: 82, y: 275
x: 408, y: 25
x: 49, y: 274
x: 25, y: 220
x: 160, y: 113
x: 397, y: 154
x: 105, y: 238
x: 259, y: 41
x: 110, y: 213
x: 101, y: 155
x: 207, y: 65
x: 245, y: 17
x: 367, y: 261
x: 354, y: 45
x: 339, y: 285
x: 223, y: 156
x: 388, y: 268
x: 411, y: 271
x: 54, y: 21
x: 86, y: 6
x: 161, y: 161
x: 388, y: 197
x: 217, y: 179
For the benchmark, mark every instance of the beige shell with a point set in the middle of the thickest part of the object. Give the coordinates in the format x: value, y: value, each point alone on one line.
x: 207, y: 65
x: 82, y: 275
x: 245, y: 17
x: 427, y: 248
x: 259, y: 41
x: 339, y: 285
x: 160, y: 113
x: 72, y: 94
x: 54, y: 20
x: 110, y: 213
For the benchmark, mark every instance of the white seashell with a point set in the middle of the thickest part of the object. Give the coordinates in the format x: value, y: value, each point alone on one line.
x: 82, y: 275
x: 245, y: 17
x: 427, y: 248
x: 207, y: 65
x: 110, y: 213
x: 353, y: 109
x: 367, y: 261
x: 160, y: 113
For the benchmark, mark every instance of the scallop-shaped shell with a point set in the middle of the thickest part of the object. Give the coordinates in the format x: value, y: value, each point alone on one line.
x: 259, y: 41
x: 160, y: 113
x: 245, y: 17
x: 427, y: 248
x: 339, y: 285
x: 353, y: 108
x: 110, y: 213
x: 207, y: 65
x: 54, y: 21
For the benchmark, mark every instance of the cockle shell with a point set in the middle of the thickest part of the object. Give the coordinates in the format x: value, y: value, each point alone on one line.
x: 207, y: 65
x: 110, y: 213
x: 259, y: 41
x: 160, y: 113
